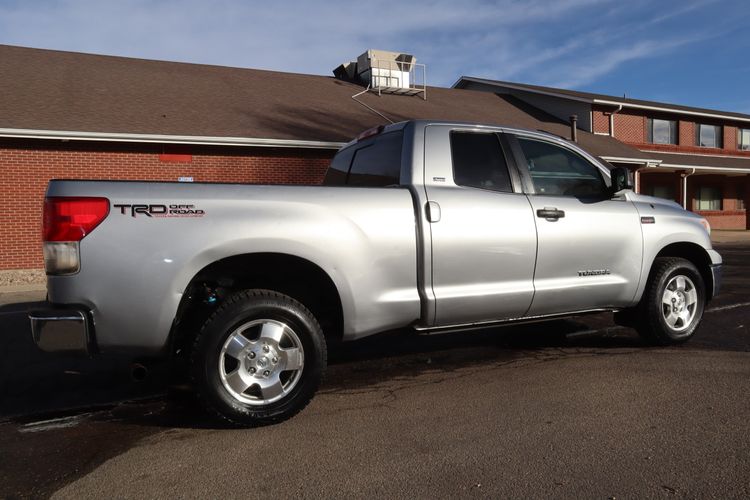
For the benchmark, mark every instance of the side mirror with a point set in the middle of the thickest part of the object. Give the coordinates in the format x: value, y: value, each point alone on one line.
x: 622, y: 178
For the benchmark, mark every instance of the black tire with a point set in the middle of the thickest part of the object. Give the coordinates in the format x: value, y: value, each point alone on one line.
x: 655, y: 314
x: 210, y: 362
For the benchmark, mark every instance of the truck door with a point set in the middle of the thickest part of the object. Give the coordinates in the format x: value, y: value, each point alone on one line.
x: 482, y: 229
x: 589, y: 244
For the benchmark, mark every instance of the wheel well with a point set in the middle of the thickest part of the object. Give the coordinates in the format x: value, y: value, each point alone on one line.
x: 695, y: 254
x: 293, y: 276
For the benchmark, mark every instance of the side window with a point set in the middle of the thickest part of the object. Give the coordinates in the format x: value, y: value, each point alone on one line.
x: 338, y: 170
x: 378, y: 164
x: 478, y: 161
x: 558, y: 171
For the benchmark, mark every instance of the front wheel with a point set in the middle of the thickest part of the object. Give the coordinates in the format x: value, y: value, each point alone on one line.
x: 672, y: 305
x: 259, y: 358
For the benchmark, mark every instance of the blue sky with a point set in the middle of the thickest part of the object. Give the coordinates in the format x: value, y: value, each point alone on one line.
x: 692, y: 52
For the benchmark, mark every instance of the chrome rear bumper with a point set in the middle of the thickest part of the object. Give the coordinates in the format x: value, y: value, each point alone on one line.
x: 61, y: 330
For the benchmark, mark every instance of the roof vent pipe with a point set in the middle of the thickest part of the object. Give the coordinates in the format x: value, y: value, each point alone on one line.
x: 574, y: 128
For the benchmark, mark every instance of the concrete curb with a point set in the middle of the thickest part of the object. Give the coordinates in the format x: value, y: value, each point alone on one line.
x: 23, y: 288
x: 729, y: 236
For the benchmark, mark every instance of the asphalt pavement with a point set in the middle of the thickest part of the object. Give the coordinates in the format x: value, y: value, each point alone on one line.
x: 576, y: 408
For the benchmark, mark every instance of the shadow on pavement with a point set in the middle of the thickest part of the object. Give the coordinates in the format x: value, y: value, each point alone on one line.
x: 33, y: 382
x: 37, y: 383
x: 40, y: 385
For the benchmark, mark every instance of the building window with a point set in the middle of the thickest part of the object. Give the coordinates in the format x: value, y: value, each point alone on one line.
x: 708, y: 198
x: 662, y: 191
x: 707, y: 136
x: 740, y: 204
x: 743, y: 139
x: 661, y: 131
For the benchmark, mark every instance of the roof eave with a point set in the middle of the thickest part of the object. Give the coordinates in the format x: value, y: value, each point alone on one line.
x: 607, y: 102
x: 707, y: 168
x: 663, y: 109
x: 523, y: 88
x: 66, y: 135
x: 633, y: 161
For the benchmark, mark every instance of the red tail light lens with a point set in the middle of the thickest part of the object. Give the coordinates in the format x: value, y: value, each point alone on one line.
x: 71, y: 219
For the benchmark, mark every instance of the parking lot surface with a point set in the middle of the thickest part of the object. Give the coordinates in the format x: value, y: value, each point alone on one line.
x: 568, y: 408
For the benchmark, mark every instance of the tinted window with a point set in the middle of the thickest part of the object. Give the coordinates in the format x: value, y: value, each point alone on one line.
x: 708, y: 136
x: 662, y: 131
x: 478, y: 161
x: 559, y: 171
x: 338, y: 170
x: 743, y: 139
x: 708, y: 198
x: 663, y: 191
x: 378, y: 164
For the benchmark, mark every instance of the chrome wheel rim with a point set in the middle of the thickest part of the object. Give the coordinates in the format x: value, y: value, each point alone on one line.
x: 679, y: 303
x: 261, y: 362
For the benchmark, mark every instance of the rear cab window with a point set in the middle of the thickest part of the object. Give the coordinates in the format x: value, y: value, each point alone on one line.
x: 374, y: 162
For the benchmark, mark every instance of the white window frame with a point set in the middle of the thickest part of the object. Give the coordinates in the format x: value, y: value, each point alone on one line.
x: 718, y: 135
x: 743, y: 145
x: 673, y: 127
x: 717, y: 201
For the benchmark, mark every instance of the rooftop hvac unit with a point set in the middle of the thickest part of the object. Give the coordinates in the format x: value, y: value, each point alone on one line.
x: 386, y: 72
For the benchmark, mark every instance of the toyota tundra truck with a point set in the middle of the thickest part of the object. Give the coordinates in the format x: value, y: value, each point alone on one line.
x: 421, y: 225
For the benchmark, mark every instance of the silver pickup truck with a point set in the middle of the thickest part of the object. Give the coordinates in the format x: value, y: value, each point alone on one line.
x: 432, y: 226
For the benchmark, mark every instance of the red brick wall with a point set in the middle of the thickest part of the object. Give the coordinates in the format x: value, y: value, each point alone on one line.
x: 26, y: 167
x: 630, y: 126
x: 601, y: 120
x: 686, y: 133
x: 730, y: 137
x: 732, y: 189
x: 725, y: 220
x: 667, y: 179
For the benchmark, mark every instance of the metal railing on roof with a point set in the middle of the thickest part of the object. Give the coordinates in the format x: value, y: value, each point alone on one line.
x: 386, y: 76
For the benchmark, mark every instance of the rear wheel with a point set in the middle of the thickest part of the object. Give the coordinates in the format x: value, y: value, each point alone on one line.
x: 259, y: 358
x: 672, y: 305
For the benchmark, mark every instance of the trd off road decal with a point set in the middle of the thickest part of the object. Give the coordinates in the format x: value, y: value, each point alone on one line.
x: 178, y: 210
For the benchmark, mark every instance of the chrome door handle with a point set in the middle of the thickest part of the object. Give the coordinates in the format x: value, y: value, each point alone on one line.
x: 433, y: 211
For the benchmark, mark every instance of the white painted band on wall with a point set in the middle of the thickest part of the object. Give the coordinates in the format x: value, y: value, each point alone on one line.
x: 166, y: 139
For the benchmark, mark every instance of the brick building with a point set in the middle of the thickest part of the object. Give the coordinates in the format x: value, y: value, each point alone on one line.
x: 82, y: 116
x: 697, y: 157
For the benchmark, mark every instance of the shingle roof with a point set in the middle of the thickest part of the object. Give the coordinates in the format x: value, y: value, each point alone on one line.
x: 590, y: 97
x: 67, y: 91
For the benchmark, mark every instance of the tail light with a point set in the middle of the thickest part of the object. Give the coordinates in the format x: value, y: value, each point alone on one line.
x: 66, y: 222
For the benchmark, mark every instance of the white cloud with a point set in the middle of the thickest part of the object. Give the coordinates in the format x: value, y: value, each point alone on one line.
x: 296, y: 35
x: 588, y: 70
x: 571, y: 42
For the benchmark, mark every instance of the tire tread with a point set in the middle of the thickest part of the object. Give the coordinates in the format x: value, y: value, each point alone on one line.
x: 648, y: 310
x: 235, y: 298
